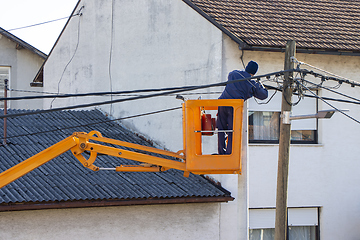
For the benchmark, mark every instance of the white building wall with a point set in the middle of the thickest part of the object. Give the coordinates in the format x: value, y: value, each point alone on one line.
x: 324, y: 174
x: 159, y: 44
x: 149, y: 45
x: 155, y: 222
x: 24, y: 66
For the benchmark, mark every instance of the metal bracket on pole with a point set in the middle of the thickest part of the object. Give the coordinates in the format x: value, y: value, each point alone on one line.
x: 286, y: 117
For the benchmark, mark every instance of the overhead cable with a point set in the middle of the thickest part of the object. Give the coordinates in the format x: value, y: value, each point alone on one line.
x: 190, y: 88
x: 338, y: 78
x: 185, y: 88
x: 331, y: 90
x: 312, y: 96
x: 96, y: 123
x: 133, y: 93
x: 50, y: 21
x: 37, y: 24
x: 342, y: 112
x: 169, y: 91
x: 52, y: 95
x: 95, y: 93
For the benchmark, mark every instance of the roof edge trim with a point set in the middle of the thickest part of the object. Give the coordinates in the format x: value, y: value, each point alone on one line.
x: 57, y: 40
x: 22, y: 43
x: 108, y: 203
x: 300, y: 50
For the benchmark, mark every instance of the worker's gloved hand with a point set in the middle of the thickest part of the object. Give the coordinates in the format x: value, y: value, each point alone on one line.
x: 261, y: 85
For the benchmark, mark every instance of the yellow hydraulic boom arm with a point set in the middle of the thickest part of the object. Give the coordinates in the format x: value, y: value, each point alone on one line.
x: 79, y: 142
x: 188, y: 160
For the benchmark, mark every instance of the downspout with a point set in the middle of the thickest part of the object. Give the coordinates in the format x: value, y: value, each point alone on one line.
x: 5, y: 110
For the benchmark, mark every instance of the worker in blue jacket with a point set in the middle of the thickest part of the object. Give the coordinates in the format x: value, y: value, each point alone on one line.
x: 237, y: 90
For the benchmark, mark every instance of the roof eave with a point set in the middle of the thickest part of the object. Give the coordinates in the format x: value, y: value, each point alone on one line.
x: 300, y: 50
x: 22, y: 43
x: 108, y: 203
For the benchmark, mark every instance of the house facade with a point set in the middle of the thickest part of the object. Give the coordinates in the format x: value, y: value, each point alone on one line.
x: 19, y: 63
x: 120, y: 45
x: 63, y: 198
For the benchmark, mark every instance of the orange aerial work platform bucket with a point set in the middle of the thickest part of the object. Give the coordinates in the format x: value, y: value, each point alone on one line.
x: 193, y: 123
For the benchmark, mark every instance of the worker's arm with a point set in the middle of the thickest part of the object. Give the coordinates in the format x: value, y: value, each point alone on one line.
x: 260, y: 91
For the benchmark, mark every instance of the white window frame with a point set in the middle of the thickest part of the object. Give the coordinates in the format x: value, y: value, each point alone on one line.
x: 306, y: 106
x: 264, y: 218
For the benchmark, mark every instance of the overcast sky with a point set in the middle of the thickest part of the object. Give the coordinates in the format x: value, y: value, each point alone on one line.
x: 21, y: 13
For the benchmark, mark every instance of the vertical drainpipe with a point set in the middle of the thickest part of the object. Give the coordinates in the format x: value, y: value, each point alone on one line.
x: 5, y: 110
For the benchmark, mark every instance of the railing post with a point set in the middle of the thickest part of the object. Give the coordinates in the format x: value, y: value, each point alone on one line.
x: 5, y: 110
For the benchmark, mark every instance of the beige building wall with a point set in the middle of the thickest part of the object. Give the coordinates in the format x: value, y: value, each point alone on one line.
x: 323, y: 175
x: 151, y: 45
x: 155, y: 222
x: 24, y: 66
x: 167, y: 44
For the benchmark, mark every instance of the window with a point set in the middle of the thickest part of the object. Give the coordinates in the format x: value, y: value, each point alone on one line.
x: 264, y: 121
x: 295, y: 233
x: 4, y: 74
x: 303, y: 224
x: 264, y: 126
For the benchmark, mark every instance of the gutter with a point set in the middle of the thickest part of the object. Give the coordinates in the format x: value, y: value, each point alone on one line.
x: 300, y: 50
x: 108, y: 203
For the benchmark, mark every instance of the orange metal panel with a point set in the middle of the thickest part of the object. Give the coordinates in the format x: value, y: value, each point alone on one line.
x: 196, y: 162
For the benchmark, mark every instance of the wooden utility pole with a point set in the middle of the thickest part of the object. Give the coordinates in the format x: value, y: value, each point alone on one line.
x: 284, y: 147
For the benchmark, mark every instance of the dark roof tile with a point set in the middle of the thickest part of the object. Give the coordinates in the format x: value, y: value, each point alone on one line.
x: 323, y: 24
x: 65, y: 179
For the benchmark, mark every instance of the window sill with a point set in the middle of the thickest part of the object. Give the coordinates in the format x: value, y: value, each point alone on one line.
x: 292, y: 145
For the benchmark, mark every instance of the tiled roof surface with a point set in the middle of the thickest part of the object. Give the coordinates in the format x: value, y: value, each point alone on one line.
x: 322, y: 24
x: 65, y: 179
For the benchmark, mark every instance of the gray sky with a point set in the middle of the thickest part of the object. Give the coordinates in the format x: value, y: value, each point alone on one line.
x: 21, y: 13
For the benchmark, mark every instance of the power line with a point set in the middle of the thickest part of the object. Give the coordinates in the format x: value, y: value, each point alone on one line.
x: 37, y: 24
x: 184, y: 89
x: 320, y: 86
x: 94, y: 93
x: 312, y: 96
x: 28, y: 91
x: 342, y: 112
x: 304, y: 71
x: 337, y: 78
x: 133, y: 93
x: 122, y: 93
x: 55, y: 95
x: 89, y: 124
x: 129, y: 92
x: 169, y: 91
x: 323, y: 77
